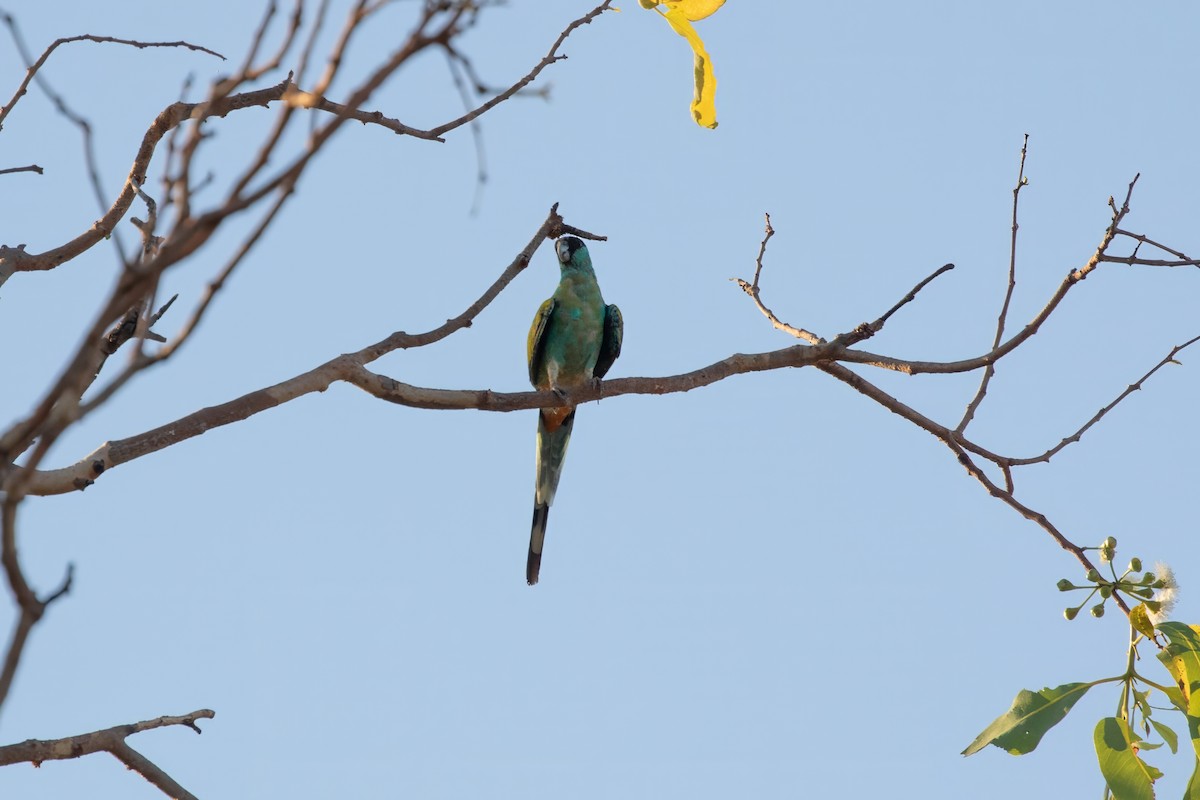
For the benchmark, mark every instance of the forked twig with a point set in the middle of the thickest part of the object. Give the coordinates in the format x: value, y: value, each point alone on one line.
x: 109, y: 740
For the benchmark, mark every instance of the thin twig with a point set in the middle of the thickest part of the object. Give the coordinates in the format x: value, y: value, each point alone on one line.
x: 140, y: 361
x: 310, y: 44
x: 1133, y: 387
x: 1150, y: 262
x: 482, y: 88
x: 868, y: 329
x: 752, y: 288
x: 551, y: 57
x: 31, y: 608
x: 458, y: 77
x: 334, y: 61
x: 30, y: 168
x: 289, y: 38
x: 37, y: 65
x: 91, y: 162
x: 990, y: 369
x: 1141, y: 239
x: 953, y: 441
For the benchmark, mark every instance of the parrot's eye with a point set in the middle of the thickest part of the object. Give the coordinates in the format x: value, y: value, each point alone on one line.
x: 564, y: 251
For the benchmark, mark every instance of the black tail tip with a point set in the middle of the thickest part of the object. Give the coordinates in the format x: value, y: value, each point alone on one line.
x: 532, y: 567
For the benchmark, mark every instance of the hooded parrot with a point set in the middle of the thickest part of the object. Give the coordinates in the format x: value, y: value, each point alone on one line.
x: 574, y: 340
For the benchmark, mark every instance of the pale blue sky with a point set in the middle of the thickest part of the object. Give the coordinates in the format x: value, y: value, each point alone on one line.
x: 766, y: 588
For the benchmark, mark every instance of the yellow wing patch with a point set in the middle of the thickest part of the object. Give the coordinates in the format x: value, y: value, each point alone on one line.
x: 534, y: 347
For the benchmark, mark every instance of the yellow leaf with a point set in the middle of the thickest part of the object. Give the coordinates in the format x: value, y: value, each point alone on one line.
x: 1139, y: 618
x: 695, y: 9
x: 704, y: 106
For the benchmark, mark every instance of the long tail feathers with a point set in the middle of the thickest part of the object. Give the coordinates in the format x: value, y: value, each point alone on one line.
x: 552, y: 440
x: 537, y: 536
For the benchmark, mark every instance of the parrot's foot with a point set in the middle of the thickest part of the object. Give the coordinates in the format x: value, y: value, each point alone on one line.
x: 562, y: 395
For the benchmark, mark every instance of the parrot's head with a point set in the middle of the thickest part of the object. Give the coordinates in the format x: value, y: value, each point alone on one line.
x: 571, y: 251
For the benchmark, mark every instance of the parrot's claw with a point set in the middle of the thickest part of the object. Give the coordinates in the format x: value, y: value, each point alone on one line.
x: 562, y: 395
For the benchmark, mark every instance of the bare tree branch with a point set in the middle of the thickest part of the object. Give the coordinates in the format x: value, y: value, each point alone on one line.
x: 990, y: 369
x: 30, y: 168
x: 345, y: 368
x: 1077, y: 435
x: 551, y: 57
x: 37, y: 65
x: 78, y: 120
x: 170, y: 117
x: 30, y: 607
x: 109, y: 740
x: 459, y: 69
x: 959, y: 446
x: 263, y: 193
x: 752, y: 289
x: 350, y: 368
x: 190, y: 233
x: 1140, y: 239
x: 1151, y: 262
x: 964, y: 449
x: 868, y: 329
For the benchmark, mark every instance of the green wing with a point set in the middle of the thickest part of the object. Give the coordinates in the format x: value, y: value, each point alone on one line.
x: 536, y: 345
x: 610, y: 345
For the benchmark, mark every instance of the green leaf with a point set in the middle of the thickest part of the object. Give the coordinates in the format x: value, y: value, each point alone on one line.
x: 1181, y: 657
x: 1168, y: 735
x: 1193, y: 787
x: 1128, y: 777
x: 1019, y: 729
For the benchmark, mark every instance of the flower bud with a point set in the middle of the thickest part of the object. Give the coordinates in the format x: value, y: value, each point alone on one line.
x: 1065, y: 585
x: 1093, y: 576
x: 1135, y: 564
x: 1098, y: 610
x: 1070, y: 613
x: 1108, y: 549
